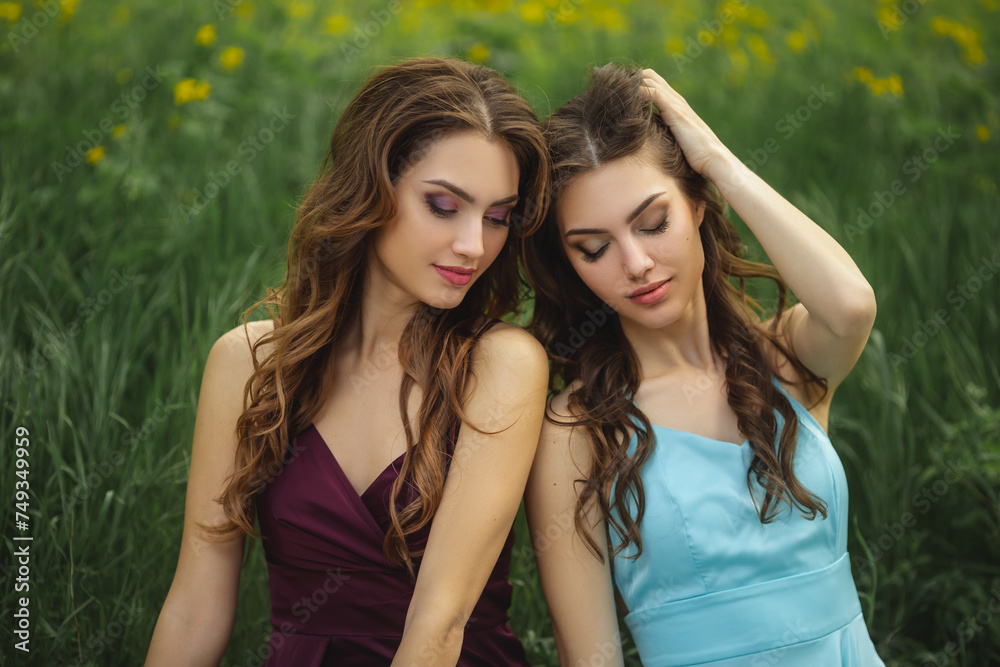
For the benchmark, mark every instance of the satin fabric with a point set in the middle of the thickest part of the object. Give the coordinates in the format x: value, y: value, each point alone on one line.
x: 715, y: 586
x: 335, y: 599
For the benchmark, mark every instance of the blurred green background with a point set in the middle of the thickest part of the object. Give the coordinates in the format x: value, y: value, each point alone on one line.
x: 127, y: 246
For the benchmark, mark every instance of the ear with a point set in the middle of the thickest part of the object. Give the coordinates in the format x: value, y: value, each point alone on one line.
x: 699, y: 213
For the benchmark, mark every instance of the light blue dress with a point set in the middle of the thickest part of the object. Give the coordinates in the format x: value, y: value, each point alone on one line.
x: 714, y: 586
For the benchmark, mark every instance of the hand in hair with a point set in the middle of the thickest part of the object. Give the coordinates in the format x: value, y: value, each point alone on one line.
x: 693, y: 135
x: 829, y: 327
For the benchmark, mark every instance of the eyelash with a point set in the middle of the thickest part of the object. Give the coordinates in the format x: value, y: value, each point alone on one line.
x: 447, y: 213
x: 594, y: 256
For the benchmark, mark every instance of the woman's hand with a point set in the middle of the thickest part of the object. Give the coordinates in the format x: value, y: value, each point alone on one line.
x: 693, y: 135
x: 829, y: 327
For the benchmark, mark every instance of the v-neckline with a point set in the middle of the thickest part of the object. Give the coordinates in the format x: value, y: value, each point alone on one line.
x: 343, y: 474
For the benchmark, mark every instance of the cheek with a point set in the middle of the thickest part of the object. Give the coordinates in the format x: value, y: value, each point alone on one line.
x: 594, y: 276
x: 494, y: 239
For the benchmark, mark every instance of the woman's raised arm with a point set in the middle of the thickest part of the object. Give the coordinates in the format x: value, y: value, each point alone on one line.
x: 829, y: 327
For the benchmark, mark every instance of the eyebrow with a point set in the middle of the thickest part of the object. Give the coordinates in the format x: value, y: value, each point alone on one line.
x: 631, y: 216
x: 466, y: 196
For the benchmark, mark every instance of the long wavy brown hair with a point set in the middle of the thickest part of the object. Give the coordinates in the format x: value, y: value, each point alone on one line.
x: 611, y: 121
x: 390, y: 123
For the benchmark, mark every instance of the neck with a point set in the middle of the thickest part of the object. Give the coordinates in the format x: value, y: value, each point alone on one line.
x: 684, y: 344
x: 384, y: 313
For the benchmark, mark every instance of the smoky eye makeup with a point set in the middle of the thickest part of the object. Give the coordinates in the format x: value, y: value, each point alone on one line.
x: 498, y: 216
x: 441, y: 205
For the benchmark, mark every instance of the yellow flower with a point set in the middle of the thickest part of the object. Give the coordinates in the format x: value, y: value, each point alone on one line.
x: 609, y: 18
x: 205, y: 35
x: 121, y: 16
x: 878, y: 87
x: 119, y: 131
x: 231, y: 58
x: 738, y: 58
x: 730, y: 34
x: 674, y: 45
x: 739, y: 10
x: 124, y: 75
x: 758, y: 47
x: 245, y: 10
x: 964, y: 36
x: 863, y: 74
x: 796, y: 41
x: 705, y: 37
x: 974, y: 55
x: 299, y: 9
x: 533, y: 12
x: 895, y: 84
x: 191, y: 90
x: 757, y: 17
x: 68, y: 8
x: 479, y: 53
x: 888, y: 19
x: 983, y: 133
x: 337, y: 25
x: 95, y: 154
x: 496, y: 6
x: 10, y: 11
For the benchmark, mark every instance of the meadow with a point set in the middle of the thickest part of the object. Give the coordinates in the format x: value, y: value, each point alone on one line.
x: 151, y: 158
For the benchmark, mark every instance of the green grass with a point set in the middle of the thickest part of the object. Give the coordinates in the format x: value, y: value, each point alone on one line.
x: 113, y: 291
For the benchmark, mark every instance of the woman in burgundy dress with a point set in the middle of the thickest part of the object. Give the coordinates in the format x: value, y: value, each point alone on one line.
x: 380, y: 427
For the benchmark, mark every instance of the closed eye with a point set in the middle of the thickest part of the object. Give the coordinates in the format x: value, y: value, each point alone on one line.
x: 594, y: 256
x: 659, y: 229
x: 498, y: 217
x: 440, y: 212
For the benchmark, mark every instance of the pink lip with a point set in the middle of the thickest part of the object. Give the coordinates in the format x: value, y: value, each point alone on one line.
x: 456, y: 275
x: 651, y: 293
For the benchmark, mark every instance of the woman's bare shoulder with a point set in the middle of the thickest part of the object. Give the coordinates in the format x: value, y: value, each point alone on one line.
x: 232, y: 353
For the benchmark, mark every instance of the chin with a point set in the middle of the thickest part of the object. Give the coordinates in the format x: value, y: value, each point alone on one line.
x: 648, y: 318
x: 445, y: 299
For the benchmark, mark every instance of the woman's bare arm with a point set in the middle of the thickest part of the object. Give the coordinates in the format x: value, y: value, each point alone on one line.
x: 197, y: 618
x: 481, y: 495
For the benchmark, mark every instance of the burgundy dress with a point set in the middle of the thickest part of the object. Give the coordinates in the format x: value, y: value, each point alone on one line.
x: 335, y: 599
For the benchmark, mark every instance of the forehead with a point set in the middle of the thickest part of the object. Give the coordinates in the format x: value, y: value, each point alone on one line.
x: 605, y: 196
x: 468, y: 160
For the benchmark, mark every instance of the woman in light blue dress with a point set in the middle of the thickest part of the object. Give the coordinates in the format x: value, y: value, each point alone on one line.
x: 686, y: 463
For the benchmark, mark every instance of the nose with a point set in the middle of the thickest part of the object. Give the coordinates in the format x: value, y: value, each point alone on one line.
x: 635, y: 260
x: 469, y: 238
